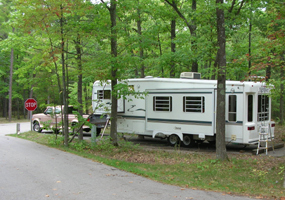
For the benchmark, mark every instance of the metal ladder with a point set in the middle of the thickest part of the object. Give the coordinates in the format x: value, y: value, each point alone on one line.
x: 265, y: 134
x: 263, y: 137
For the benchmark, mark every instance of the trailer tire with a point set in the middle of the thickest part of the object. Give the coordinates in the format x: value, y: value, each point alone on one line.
x: 188, y: 140
x: 98, y: 131
x: 212, y: 143
x: 173, y: 140
x: 141, y: 137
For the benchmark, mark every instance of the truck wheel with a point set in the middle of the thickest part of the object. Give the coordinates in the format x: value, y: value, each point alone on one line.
x: 188, y: 140
x: 173, y: 140
x: 36, y: 127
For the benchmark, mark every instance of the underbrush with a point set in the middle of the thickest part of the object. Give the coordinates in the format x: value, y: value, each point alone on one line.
x: 250, y: 175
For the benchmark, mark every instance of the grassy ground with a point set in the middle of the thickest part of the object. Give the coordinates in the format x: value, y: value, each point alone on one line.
x: 256, y: 176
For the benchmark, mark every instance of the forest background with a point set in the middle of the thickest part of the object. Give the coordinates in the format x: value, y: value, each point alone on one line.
x: 48, y: 45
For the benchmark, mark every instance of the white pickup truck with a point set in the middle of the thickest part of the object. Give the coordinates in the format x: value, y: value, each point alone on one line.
x: 51, y: 118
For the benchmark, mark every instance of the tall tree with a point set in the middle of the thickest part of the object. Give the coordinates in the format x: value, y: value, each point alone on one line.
x: 139, y: 30
x: 79, y: 82
x: 11, y: 81
x: 173, y: 47
x: 114, y: 68
x: 221, y: 152
x: 64, y: 82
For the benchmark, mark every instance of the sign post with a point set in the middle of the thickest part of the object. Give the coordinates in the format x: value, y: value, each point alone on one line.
x: 31, y: 105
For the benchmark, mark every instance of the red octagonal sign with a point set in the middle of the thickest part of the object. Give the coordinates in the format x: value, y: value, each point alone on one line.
x: 31, y: 104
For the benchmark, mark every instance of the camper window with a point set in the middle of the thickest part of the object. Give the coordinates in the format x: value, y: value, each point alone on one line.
x: 162, y: 103
x: 249, y: 108
x: 232, y: 108
x: 263, y: 107
x: 104, y: 94
x: 194, y: 104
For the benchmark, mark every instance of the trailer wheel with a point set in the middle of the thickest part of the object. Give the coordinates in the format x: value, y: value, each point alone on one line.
x: 173, y: 140
x: 188, y: 140
x: 98, y: 131
x: 212, y: 143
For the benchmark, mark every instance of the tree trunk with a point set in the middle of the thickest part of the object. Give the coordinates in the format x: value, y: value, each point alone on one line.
x: 10, y: 83
x: 114, y: 54
x: 268, y: 73
x: 160, y: 54
x: 139, y: 27
x: 56, y: 67
x: 173, y: 36
x: 86, y: 99
x: 249, y: 40
x: 79, y: 83
x: 18, y: 108
x: 64, y: 91
x: 281, y: 105
x: 221, y: 152
x: 6, y: 103
x: 193, y: 35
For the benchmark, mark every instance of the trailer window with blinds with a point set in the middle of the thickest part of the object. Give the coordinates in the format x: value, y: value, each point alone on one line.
x: 232, y: 116
x: 194, y: 104
x: 103, y: 94
x: 162, y: 103
x: 263, y: 107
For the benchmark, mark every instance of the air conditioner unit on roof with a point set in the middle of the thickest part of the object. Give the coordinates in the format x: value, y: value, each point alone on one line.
x: 190, y: 75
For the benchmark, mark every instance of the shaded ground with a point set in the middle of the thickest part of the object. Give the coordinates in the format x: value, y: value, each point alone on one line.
x: 205, y: 149
x: 149, y: 143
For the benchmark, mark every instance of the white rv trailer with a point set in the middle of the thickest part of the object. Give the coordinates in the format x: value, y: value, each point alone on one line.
x: 184, y: 109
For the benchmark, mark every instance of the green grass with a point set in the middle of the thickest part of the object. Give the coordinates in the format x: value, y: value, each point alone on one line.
x: 258, y: 176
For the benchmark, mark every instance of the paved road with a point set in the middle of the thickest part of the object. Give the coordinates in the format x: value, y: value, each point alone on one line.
x: 32, y: 171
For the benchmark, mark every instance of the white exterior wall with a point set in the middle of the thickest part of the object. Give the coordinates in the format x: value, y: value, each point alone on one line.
x: 177, y: 121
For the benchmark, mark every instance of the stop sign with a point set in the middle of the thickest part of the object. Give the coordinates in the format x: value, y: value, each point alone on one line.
x: 30, y: 104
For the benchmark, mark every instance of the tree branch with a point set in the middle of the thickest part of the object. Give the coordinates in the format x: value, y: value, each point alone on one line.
x: 240, y: 7
x: 105, y: 5
x: 168, y: 3
x: 232, y: 7
x: 174, y: 6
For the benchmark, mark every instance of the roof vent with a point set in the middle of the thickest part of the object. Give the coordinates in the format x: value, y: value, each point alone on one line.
x: 190, y: 75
